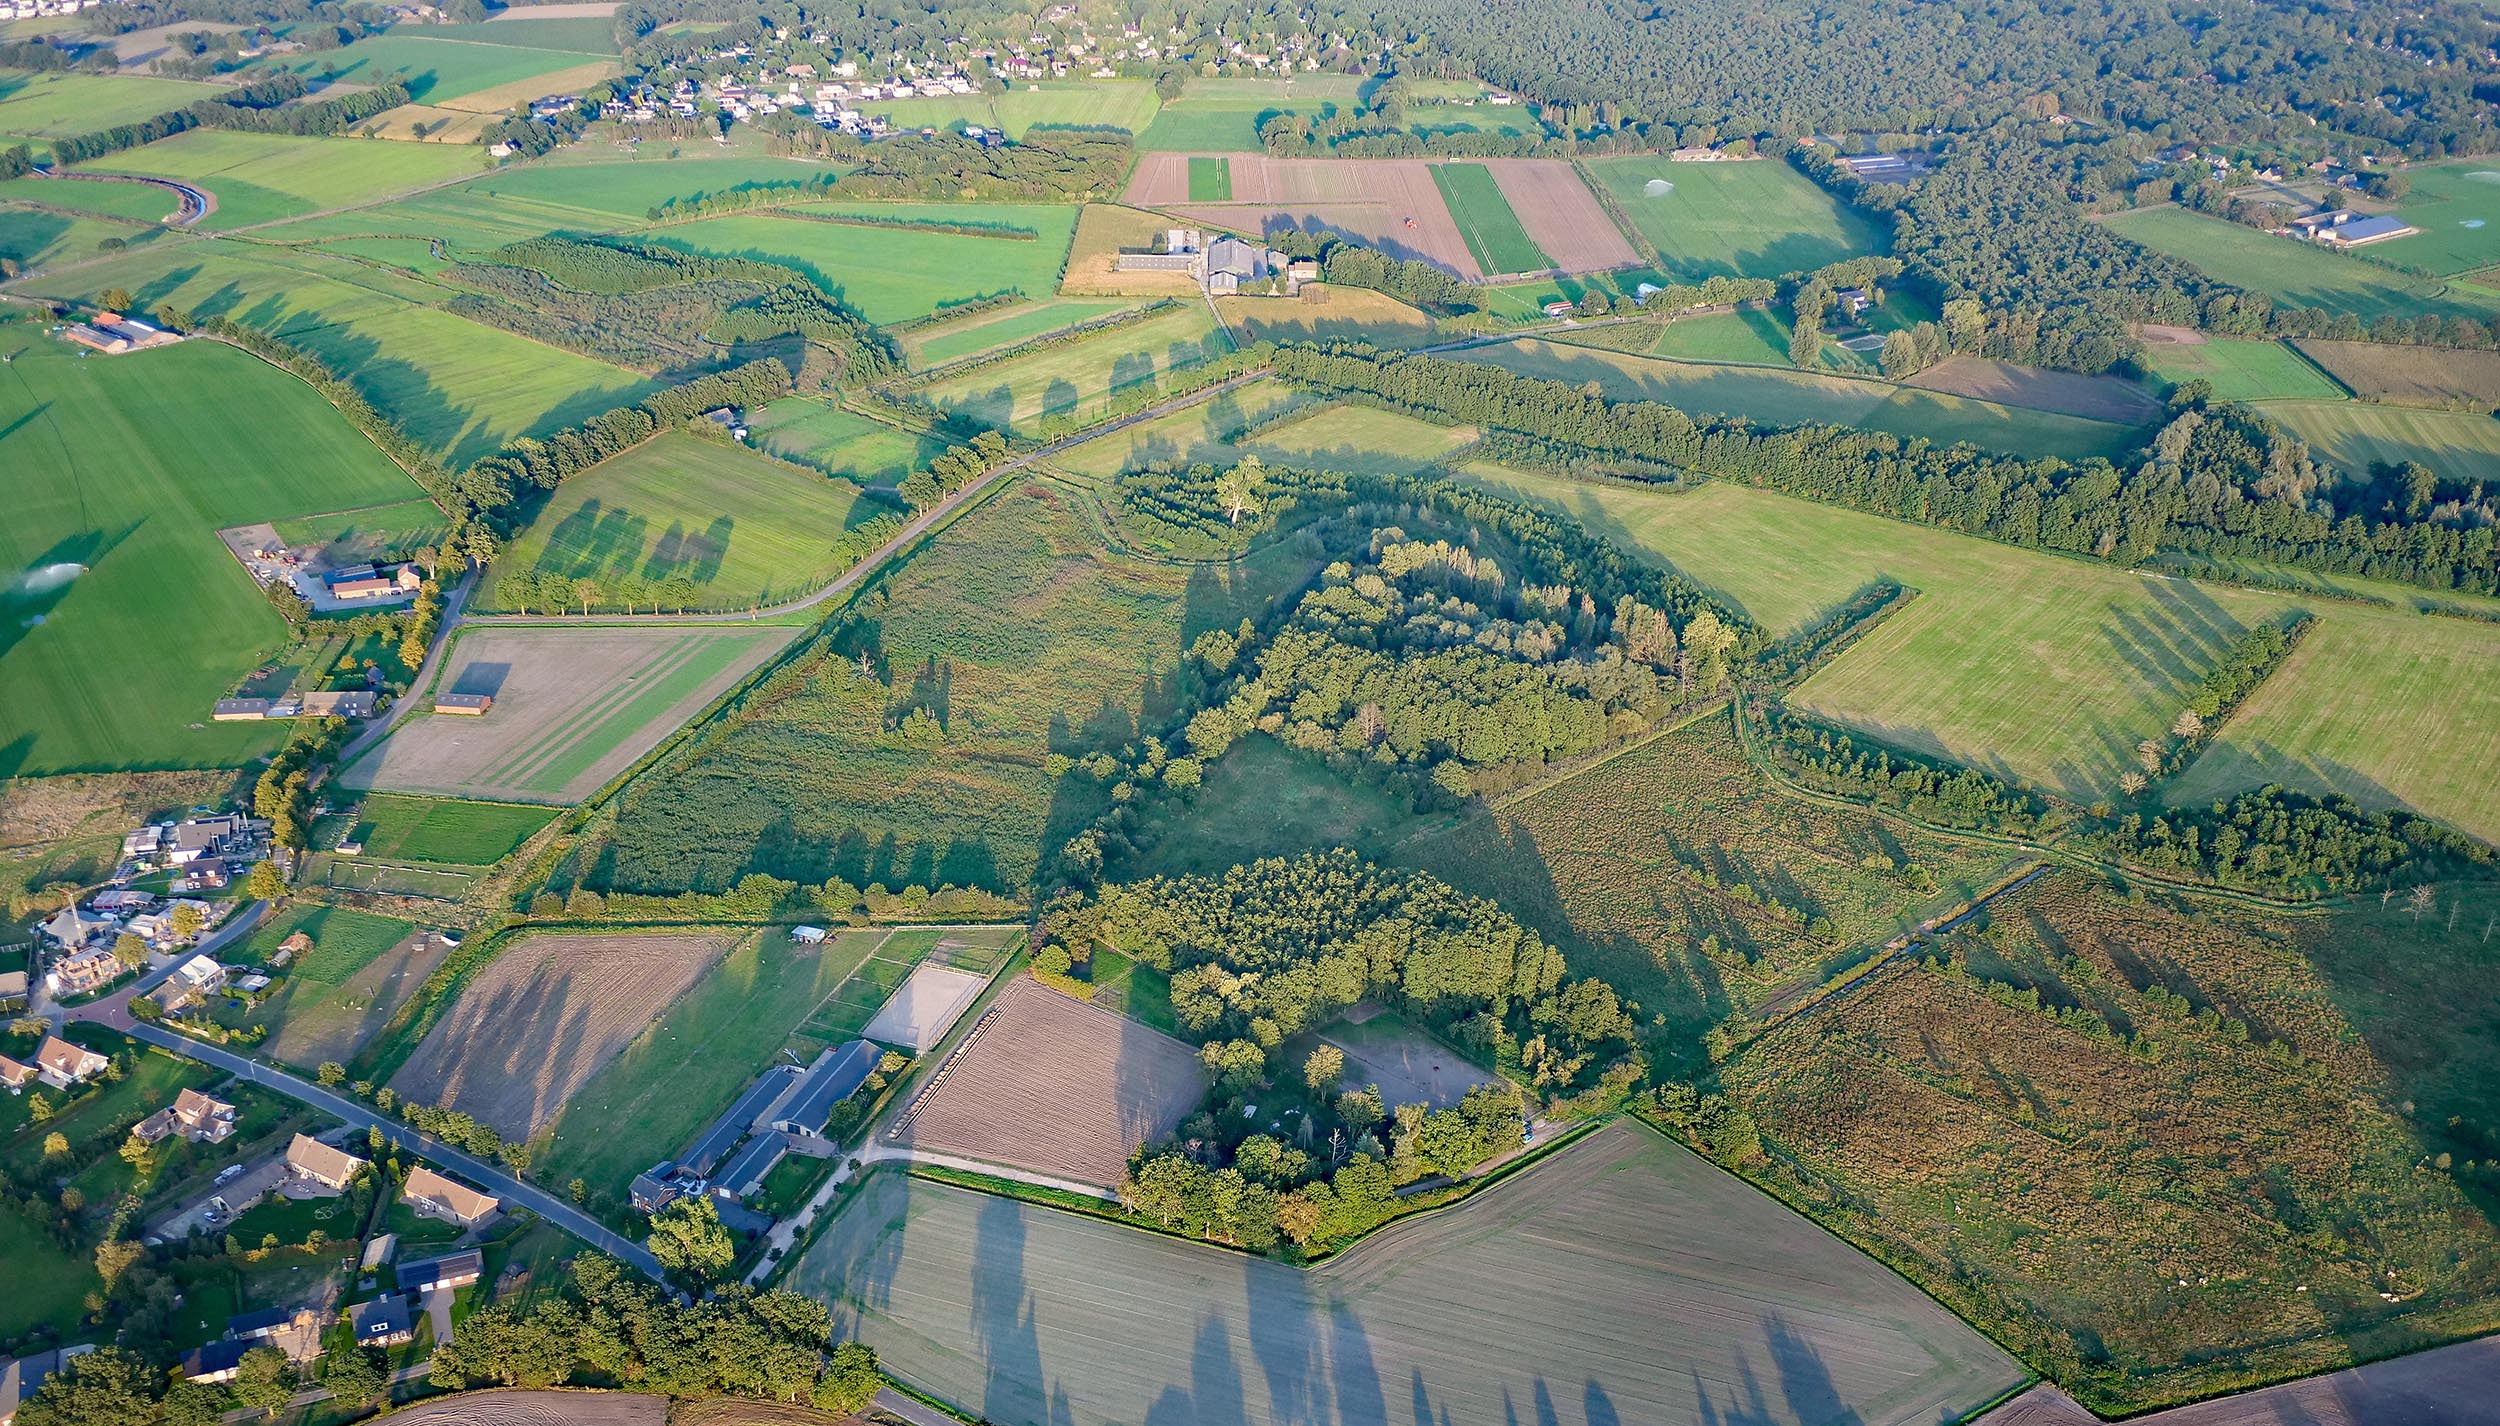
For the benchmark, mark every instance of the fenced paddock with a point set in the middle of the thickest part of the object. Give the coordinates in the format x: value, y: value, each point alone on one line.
x: 924, y: 1007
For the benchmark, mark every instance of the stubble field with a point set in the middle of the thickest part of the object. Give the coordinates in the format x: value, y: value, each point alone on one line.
x: 2412, y: 376
x: 538, y: 1022
x: 1622, y: 1281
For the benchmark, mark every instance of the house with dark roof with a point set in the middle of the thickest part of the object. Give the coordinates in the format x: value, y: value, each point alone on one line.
x: 19, y: 1376
x: 219, y: 1361
x: 650, y: 1192
x: 268, y: 1322
x: 836, y: 1076
x: 383, y: 1322
x: 745, y: 1173
x: 451, y: 1270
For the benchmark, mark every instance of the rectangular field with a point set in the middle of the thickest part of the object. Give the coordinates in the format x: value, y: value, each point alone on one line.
x: 985, y: 332
x: 573, y: 708
x: 437, y: 70
x: 690, y: 1064
x: 924, y: 1007
x: 120, y: 472
x: 427, y: 829
x: 1327, y: 313
x: 1201, y: 432
x: 358, y: 536
x: 893, y: 273
x: 2411, y: 376
x: 1055, y: 1086
x: 1622, y: 1281
x: 1754, y: 218
x: 1210, y: 179
x: 2094, y: 398
x: 1563, y: 218
x: 55, y: 105
x: 1492, y: 232
x: 1128, y: 104
x: 2298, y: 273
x: 814, y: 432
x: 540, y: 1020
x: 1103, y: 232
x: 2457, y: 207
x: 2240, y: 370
x: 741, y: 529
x: 259, y: 178
x: 338, y: 995
x: 1392, y: 204
x: 1359, y: 438
x: 1788, y: 398
x: 1062, y: 381
x: 2353, y: 436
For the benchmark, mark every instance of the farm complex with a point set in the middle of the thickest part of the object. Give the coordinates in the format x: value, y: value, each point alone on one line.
x: 1105, y: 715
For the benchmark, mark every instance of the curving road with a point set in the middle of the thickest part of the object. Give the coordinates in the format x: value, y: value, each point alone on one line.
x: 191, y: 204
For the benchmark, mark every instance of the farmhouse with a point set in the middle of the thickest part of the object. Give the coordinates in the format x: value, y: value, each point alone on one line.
x: 195, y: 1116
x: 14, y: 1077
x: 383, y: 1322
x: 1223, y: 267
x: 229, y: 835
x: 61, y: 1064
x: 836, y: 1076
x: 446, y: 1272
x: 113, y: 334
x: 467, y: 705
x: 2343, y: 228
x: 309, y: 1158
x: 434, y: 1196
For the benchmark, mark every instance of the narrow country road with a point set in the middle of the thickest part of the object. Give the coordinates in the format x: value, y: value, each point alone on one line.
x: 373, y: 730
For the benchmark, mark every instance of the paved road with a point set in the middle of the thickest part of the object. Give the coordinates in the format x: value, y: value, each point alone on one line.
x: 495, y: 1180
x: 193, y: 203
x: 114, y: 1009
x: 373, y: 730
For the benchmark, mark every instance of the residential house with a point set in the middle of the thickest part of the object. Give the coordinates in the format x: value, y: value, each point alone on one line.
x: 83, y: 973
x: 145, y: 842
x: 208, y: 874
x: 195, y: 1116
x: 452, y: 1270
x: 20, y: 1376
x: 308, y: 1157
x: 14, y: 1077
x: 650, y: 1192
x: 434, y: 1196
x: 195, y: 979
x: 74, y: 928
x: 219, y: 1362
x: 228, y: 835
x: 61, y: 1064
x: 383, y: 1322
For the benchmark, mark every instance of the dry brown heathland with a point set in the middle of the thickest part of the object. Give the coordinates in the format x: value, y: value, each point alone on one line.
x: 534, y: 1025
x: 1056, y: 1086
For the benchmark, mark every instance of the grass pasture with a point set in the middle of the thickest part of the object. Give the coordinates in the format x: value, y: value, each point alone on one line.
x: 1493, y: 232
x: 340, y: 994
x: 1360, y: 438
x: 1788, y: 398
x: 1193, y: 125
x: 2298, y: 273
x: 745, y: 528
x: 1621, y: 1299
x: 1127, y: 104
x: 1202, y: 431
x: 2457, y: 207
x: 822, y: 436
x: 1337, y: 314
x: 1210, y: 179
x: 36, y: 238
x: 1063, y: 381
x: 1746, y: 338
x: 39, y: 106
x: 452, y: 833
x: 437, y: 68
x: 352, y: 536
x: 261, y: 178
x: 573, y: 708
x: 998, y: 329
x: 1759, y: 218
x: 892, y: 274
x: 687, y: 1066
x: 2354, y: 436
x: 2243, y: 370
x: 128, y: 466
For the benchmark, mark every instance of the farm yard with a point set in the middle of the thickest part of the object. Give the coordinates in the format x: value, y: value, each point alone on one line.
x: 735, y: 528
x: 573, y: 708
x: 2239, y: 369
x: 539, y: 1020
x: 1051, y: 1085
x: 2297, y: 273
x: 1015, y: 636
x: 1788, y: 398
x: 1064, y: 381
x: 121, y: 473
x: 1759, y: 218
x: 1623, y: 1280
x: 1103, y: 232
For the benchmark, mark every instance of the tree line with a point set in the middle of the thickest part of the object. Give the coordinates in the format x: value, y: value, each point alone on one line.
x: 264, y: 107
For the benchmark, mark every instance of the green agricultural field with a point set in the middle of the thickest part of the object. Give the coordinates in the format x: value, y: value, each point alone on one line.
x: 437, y: 69
x: 1787, y: 398
x: 2390, y: 708
x: 1359, y: 438
x: 429, y: 829
x: 131, y: 202
x: 1210, y: 180
x: 128, y: 466
x: 744, y: 528
x: 2457, y: 207
x: 1127, y: 104
x: 462, y: 388
x: 693, y: 1061
x: 260, y: 178
x: 843, y: 444
x: 1064, y: 380
x: 630, y: 188
x: 2298, y: 273
x: 1493, y: 232
x: 1610, y: 1262
x: 2244, y: 370
x: 1200, y: 432
x: 585, y: 34
x: 350, y: 536
x: 998, y: 329
x: 1017, y: 635
x: 891, y: 274
x: 1760, y: 218
x: 1190, y: 124
x: 2354, y: 435
x: 53, y: 105
x: 1748, y: 338
x: 2042, y: 668
x: 48, y: 1285
x: 34, y: 238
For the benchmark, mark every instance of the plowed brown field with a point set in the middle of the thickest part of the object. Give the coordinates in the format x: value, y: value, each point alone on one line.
x: 1555, y: 206
x: 539, y: 1021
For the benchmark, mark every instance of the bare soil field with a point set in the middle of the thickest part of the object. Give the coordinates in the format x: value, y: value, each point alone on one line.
x: 2095, y: 398
x: 1056, y: 1086
x: 2411, y: 376
x: 924, y: 1007
x: 734, y: 1411
x: 1390, y: 204
x: 573, y: 708
x: 2448, y: 1386
x: 1561, y: 215
x: 539, y: 1021
x: 539, y: 1408
x: 1622, y: 1281
x: 338, y: 1024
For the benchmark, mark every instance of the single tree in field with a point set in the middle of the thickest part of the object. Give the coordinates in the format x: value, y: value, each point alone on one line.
x: 1323, y: 1069
x: 2420, y: 900
x: 2131, y: 782
x: 1238, y: 489
x: 691, y: 1244
x: 2148, y: 755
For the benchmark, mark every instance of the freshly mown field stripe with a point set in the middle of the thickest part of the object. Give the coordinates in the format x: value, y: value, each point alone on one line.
x: 711, y: 656
x: 1493, y: 232
x: 2298, y: 273
x: 1607, y: 1267
x: 1759, y: 218
x: 631, y: 693
x: 987, y: 332
x: 1210, y: 180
